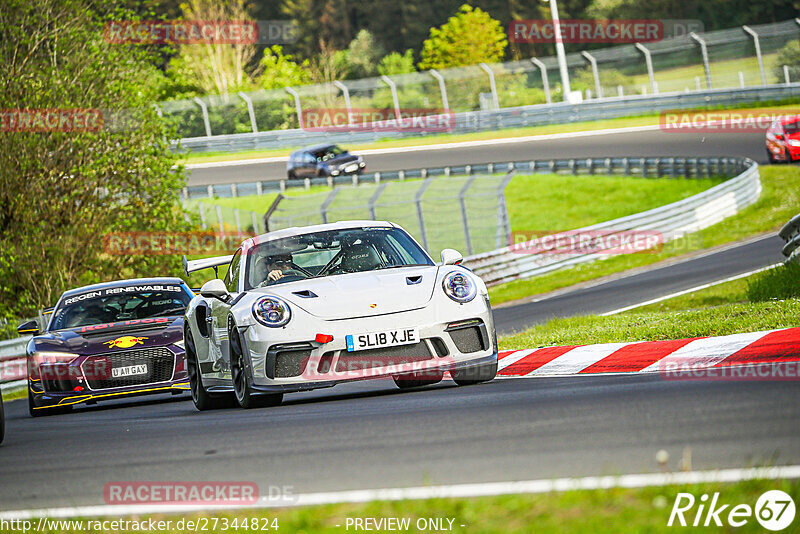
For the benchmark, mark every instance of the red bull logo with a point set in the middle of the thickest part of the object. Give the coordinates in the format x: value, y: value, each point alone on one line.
x: 125, y: 342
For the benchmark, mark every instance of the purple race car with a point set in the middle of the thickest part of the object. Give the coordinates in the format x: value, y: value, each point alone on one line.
x: 108, y: 341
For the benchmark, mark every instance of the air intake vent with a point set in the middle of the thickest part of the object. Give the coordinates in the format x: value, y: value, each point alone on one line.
x: 305, y: 293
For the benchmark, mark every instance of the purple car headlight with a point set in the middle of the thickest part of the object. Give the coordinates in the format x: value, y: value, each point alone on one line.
x: 271, y: 311
x: 459, y: 286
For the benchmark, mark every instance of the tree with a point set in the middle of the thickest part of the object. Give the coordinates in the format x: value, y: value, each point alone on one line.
x: 363, y: 54
x: 215, y: 68
x: 62, y: 191
x: 468, y: 38
x: 789, y: 55
x: 279, y: 70
x: 396, y: 63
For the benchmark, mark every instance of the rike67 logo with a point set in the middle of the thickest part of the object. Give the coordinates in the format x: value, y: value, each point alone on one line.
x: 774, y: 510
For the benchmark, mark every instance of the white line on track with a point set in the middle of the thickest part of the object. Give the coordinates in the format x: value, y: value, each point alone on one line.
x: 439, y: 146
x: 691, y: 290
x: 485, y: 489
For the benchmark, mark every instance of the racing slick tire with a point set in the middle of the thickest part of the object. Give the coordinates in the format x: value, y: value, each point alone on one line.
x: 415, y: 380
x: 49, y: 411
x: 474, y: 375
x: 203, y: 400
x: 770, y: 157
x: 245, y: 395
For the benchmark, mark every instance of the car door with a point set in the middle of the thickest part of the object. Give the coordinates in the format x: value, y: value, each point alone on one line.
x: 220, y: 310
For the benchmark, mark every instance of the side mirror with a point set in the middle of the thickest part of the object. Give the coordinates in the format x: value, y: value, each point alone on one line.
x: 215, y: 289
x: 779, y: 137
x: 28, y: 328
x: 451, y: 257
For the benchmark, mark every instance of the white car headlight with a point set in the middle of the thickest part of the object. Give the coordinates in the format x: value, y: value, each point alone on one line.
x: 271, y: 311
x: 793, y: 142
x: 459, y: 286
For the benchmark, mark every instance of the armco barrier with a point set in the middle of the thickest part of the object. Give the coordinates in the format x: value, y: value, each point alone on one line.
x: 688, y: 167
x: 12, y: 363
x: 671, y: 221
x: 512, y: 117
x: 768, y: 355
x: 791, y: 234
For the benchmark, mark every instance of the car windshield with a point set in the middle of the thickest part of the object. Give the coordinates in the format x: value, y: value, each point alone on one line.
x: 327, y: 153
x: 791, y: 128
x: 119, y: 304
x: 332, y: 252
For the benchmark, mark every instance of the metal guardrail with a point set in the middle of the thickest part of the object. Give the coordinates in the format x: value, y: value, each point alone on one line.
x: 511, y: 117
x: 13, y: 365
x: 661, y: 166
x: 791, y: 234
x: 670, y: 221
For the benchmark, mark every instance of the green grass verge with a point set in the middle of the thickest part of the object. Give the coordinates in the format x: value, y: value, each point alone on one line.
x: 766, y: 300
x: 610, y: 510
x: 21, y: 393
x: 777, y: 204
x: 427, y: 140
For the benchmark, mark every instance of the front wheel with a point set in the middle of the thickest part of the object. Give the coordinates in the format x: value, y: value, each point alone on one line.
x: 202, y: 399
x: 475, y: 375
x: 245, y: 396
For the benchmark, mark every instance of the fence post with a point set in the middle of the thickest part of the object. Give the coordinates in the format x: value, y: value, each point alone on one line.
x: 271, y: 210
x: 503, y: 221
x: 374, y: 200
x: 420, y: 217
x: 210, y: 191
x: 250, y: 111
x: 442, y: 89
x: 545, y: 83
x: 388, y: 81
x: 786, y: 74
x: 462, y: 200
x: 757, y: 44
x: 220, y: 221
x: 323, y: 209
x: 346, y: 92
x: 648, y: 59
x: 202, y: 216
x: 741, y: 79
x: 704, y: 52
x: 492, y: 85
x: 591, y: 59
x: 254, y: 220
x: 204, y: 109
x: 297, y: 107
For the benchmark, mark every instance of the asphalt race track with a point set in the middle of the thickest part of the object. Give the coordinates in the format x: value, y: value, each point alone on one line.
x: 372, y: 435
x: 643, y: 143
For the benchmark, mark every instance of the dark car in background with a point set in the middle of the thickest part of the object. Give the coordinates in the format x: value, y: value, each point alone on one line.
x: 783, y: 139
x: 322, y: 161
x: 108, y: 341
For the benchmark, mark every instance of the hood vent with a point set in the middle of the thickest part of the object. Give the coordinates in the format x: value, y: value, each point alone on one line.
x: 305, y: 293
x: 413, y: 280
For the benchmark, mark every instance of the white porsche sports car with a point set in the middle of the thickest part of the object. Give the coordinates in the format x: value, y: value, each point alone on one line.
x: 307, y: 308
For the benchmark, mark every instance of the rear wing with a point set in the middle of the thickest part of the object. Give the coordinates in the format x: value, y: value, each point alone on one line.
x: 190, y: 266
